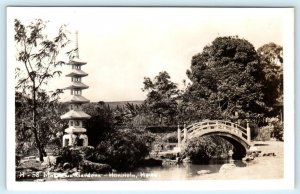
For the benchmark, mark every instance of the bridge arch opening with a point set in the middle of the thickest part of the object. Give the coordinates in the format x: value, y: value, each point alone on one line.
x: 239, y: 150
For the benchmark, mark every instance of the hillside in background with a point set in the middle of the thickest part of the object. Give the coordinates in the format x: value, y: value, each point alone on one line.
x: 114, y: 104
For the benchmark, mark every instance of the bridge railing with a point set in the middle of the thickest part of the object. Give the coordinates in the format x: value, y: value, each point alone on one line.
x: 217, y: 125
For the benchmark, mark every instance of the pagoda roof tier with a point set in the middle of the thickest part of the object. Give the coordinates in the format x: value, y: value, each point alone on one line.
x: 75, y: 130
x: 77, y: 85
x: 77, y: 99
x: 77, y: 61
x: 75, y: 114
x: 76, y: 73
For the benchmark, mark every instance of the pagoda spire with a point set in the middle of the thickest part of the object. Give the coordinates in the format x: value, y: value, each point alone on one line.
x: 76, y: 44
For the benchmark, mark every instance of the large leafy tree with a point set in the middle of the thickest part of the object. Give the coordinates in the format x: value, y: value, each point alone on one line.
x: 226, y: 81
x: 37, y: 55
x: 161, y: 97
x: 271, y: 59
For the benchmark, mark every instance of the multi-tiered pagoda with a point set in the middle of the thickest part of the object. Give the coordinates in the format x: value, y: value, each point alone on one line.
x: 75, y: 132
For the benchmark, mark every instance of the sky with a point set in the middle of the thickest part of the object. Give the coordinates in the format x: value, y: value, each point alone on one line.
x: 123, y: 45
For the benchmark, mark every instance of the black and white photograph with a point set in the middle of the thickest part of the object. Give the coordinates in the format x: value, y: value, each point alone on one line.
x: 150, y: 94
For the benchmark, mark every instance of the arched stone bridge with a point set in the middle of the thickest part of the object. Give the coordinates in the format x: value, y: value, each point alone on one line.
x: 238, y: 136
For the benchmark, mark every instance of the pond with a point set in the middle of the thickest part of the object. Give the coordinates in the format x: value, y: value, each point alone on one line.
x: 184, y: 172
x: 178, y: 172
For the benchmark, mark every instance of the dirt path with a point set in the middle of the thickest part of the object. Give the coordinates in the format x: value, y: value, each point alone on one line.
x: 268, y: 167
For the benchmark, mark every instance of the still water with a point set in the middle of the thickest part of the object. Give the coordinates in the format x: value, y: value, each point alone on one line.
x: 183, y: 172
x: 176, y: 172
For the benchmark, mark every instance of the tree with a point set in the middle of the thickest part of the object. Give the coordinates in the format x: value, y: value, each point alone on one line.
x: 161, y: 97
x: 48, y: 122
x: 226, y: 81
x: 37, y: 54
x: 100, y: 123
x: 271, y: 59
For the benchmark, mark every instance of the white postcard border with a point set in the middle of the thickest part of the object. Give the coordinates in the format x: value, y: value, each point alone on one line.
x: 289, y: 152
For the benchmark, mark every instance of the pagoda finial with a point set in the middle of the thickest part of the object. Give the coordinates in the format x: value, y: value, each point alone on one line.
x: 76, y: 44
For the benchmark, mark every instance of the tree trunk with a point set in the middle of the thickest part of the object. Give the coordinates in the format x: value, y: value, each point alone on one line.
x: 35, y: 132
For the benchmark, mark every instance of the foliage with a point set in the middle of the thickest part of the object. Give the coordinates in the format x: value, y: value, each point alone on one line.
x: 100, y: 123
x: 123, y: 149
x: 202, y: 149
x: 171, y: 137
x: 161, y: 97
x: 226, y: 82
x: 48, y: 122
x: 263, y: 133
x: 135, y: 116
x: 92, y: 167
x: 254, y: 127
x: 135, y: 109
x: 277, y: 129
x: 37, y: 55
x: 271, y: 59
x: 18, y: 159
x: 69, y: 155
x: 86, y: 150
x: 143, y: 120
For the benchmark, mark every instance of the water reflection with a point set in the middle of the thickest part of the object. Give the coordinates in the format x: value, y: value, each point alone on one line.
x: 176, y: 172
x: 184, y: 171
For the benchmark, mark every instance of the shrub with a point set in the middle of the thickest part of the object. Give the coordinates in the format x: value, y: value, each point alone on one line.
x: 86, y: 151
x: 202, y: 149
x: 264, y: 134
x: 274, y: 130
x: 18, y: 159
x: 69, y: 155
x: 92, y: 167
x: 170, y: 137
x: 277, y: 131
x: 123, y: 149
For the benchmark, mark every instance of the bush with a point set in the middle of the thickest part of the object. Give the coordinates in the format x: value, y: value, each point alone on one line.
x: 264, y: 134
x: 170, y: 137
x: 91, y: 167
x: 274, y: 130
x: 202, y: 149
x: 69, y: 155
x: 277, y: 131
x: 123, y: 149
x: 86, y: 151
x: 18, y: 159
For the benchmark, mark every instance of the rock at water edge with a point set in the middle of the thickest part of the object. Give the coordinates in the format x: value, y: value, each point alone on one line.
x: 226, y: 168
